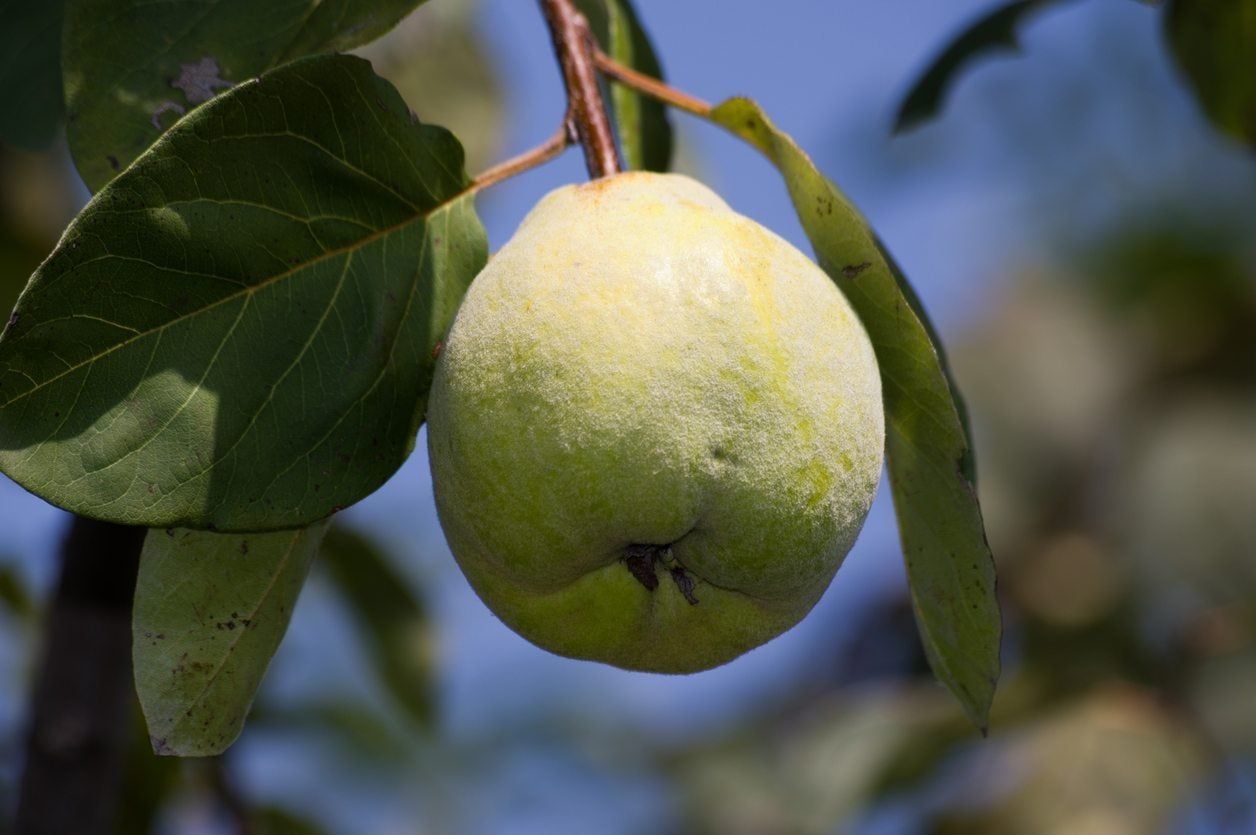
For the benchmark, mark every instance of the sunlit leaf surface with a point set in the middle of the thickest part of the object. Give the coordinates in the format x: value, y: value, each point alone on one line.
x: 237, y: 333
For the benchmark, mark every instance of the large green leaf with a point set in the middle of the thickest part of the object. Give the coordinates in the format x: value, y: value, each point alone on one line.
x: 993, y: 31
x: 237, y: 332
x: 30, y: 71
x: 396, y: 630
x: 1214, y: 42
x: 134, y: 66
x: 641, y: 123
x: 949, y: 564
x: 210, y: 611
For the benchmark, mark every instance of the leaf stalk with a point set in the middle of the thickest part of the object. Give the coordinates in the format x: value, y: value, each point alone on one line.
x: 557, y: 143
x: 651, y: 87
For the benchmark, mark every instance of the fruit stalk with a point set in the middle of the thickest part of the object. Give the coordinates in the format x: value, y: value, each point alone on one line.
x: 573, y: 46
x: 547, y: 150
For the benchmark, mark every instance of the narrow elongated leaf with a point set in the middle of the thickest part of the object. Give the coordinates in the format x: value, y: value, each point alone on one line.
x: 641, y: 123
x: 132, y: 67
x: 949, y: 564
x: 1214, y: 43
x: 394, y: 623
x: 991, y: 32
x: 210, y: 611
x: 237, y: 333
x: 30, y: 72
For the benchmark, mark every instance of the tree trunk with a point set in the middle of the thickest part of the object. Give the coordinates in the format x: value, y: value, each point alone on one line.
x: 80, y: 708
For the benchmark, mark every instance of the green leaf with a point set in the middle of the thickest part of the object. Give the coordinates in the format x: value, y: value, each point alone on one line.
x: 641, y: 123
x: 1214, y: 43
x: 395, y: 624
x: 237, y: 332
x: 132, y: 67
x: 993, y: 31
x: 949, y: 564
x: 30, y: 72
x: 210, y: 611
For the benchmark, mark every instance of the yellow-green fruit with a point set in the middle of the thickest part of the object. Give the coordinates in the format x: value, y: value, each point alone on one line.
x: 655, y: 428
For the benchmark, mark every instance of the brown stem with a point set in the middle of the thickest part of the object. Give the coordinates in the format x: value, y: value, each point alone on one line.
x: 546, y: 151
x: 81, y: 705
x: 652, y: 87
x: 573, y: 48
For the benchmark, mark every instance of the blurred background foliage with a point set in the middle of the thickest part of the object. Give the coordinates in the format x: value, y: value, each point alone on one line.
x: 1108, y: 355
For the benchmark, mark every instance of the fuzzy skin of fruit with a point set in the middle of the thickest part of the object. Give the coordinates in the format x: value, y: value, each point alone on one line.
x: 655, y: 428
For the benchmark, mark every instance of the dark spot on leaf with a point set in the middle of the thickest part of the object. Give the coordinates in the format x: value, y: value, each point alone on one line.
x: 852, y: 270
x: 199, y: 82
x: 437, y: 348
x: 113, y: 161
